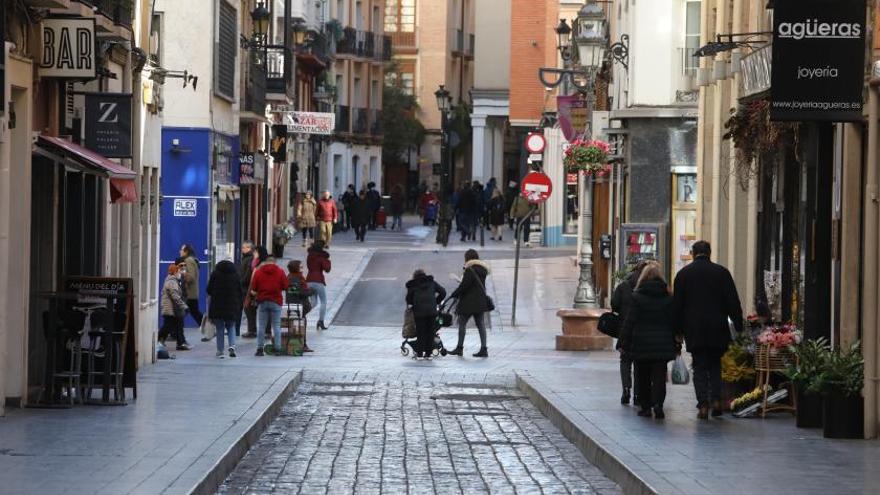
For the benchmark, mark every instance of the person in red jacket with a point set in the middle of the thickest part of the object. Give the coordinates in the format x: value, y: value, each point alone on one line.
x: 267, y: 285
x: 327, y: 217
x: 318, y: 262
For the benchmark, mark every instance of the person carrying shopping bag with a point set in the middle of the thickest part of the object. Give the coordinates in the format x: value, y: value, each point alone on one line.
x: 224, y: 306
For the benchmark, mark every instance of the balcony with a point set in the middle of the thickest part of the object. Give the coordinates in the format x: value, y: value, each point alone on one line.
x: 374, y: 118
x: 365, y: 44
x: 254, y: 92
x: 359, y: 121
x: 343, y: 115
x: 279, y: 73
x: 318, y: 51
x: 405, y: 42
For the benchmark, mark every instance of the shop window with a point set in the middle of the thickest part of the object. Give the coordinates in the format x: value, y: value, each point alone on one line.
x: 572, y: 210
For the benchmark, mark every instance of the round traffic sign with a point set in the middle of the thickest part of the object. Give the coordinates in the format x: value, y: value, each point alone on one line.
x: 536, y: 187
x: 535, y: 143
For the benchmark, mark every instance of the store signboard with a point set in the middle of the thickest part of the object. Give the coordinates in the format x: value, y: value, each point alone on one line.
x: 252, y: 167
x: 108, y: 124
x: 318, y: 123
x: 573, y: 113
x: 68, y: 48
x: 185, y: 207
x: 818, y: 60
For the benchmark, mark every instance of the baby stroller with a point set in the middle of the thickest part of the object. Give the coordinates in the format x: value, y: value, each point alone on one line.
x: 444, y: 319
x: 431, y: 212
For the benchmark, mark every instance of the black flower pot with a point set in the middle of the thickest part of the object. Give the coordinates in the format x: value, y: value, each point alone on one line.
x: 844, y: 416
x: 809, y: 410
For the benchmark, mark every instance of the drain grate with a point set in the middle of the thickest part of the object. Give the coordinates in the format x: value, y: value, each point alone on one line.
x: 478, y: 386
x: 342, y: 384
x: 477, y: 397
x: 500, y: 442
x: 340, y: 393
x: 472, y: 412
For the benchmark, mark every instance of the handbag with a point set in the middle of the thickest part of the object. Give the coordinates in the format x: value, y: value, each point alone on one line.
x: 208, y: 329
x: 490, y: 304
x: 609, y: 324
x: 680, y: 373
x: 409, y: 324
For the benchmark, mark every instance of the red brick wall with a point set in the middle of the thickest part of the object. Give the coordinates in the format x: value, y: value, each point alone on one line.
x: 532, y: 42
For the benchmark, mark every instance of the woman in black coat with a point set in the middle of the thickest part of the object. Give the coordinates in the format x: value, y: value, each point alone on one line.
x: 472, y: 301
x: 360, y: 215
x: 423, y: 294
x: 224, y: 287
x: 649, y: 338
x: 621, y: 300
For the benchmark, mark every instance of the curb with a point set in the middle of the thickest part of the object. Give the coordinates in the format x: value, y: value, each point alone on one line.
x: 240, y: 442
x: 349, y: 285
x: 597, y: 452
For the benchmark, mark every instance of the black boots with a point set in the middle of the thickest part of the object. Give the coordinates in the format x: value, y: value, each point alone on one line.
x: 482, y: 353
x: 458, y: 351
x: 624, y: 399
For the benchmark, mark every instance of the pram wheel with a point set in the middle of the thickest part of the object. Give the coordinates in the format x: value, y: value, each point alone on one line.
x: 435, y: 352
x: 443, y: 352
x: 404, y: 350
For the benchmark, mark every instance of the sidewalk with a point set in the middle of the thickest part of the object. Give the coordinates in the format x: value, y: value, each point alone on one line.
x: 684, y: 455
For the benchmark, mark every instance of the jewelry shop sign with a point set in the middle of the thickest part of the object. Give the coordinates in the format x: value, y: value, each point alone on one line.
x: 818, y: 60
x: 68, y: 48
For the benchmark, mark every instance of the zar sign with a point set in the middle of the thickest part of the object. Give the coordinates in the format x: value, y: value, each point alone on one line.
x: 68, y: 48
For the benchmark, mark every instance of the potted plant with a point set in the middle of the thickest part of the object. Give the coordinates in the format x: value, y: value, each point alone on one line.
x: 809, y: 355
x: 282, y: 233
x: 589, y: 156
x: 840, y: 378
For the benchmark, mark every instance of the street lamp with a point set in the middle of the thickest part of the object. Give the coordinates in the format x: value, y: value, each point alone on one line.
x: 563, y: 34
x: 592, y: 43
x: 444, y: 104
x: 260, y: 17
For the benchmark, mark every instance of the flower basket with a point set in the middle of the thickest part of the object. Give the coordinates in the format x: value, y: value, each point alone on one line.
x: 589, y: 156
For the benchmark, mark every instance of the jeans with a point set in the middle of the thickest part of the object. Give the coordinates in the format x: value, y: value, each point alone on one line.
x: 397, y: 222
x: 651, y: 383
x: 424, y: 335
x: 227, y: 326
x: 466, y: 227
x: 707, y: 375
x: 462, y: 329
x: 193, y: 305
x: 172, y: 325
x: 347, y: 218
x: 319, y: 296
x: 626, y: 370
x: 526, y: 230
x: 269, y: 311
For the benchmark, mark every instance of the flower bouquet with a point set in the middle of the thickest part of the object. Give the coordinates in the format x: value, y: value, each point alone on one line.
x: 282, y: 233
x: 749, y: 398
x: 589, y: 156
x: 780, y: 336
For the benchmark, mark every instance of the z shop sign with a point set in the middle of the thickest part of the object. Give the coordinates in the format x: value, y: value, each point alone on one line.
x: 818, y: 60
x: 68, y: 48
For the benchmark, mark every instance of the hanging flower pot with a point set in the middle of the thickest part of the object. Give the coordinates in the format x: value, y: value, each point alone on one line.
x: 589, y: 156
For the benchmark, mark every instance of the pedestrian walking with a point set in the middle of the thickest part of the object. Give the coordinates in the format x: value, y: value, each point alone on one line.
x: 245, y: 269
x: 298, y: 293
x: 496, y: 215
x: 374, y: 202
x: 649, y: 338
x: 328, y: 215
x: 465, y: 210
x: 477, y: 219
x: 705, y: 301
x: 347, y: 199
x: 260, y: 255
x: 427, y: 203
x: 520, y: 209
x: 510, y: 195
x: 621, y: 301
x: 360, y: 212
x: 398, y: 205
x: 224, y: 308
x: 174, y: 308
x: 423, y: 295
x: 306, y: 217
x: 269, y: 282
x: 473, y: 301
x: 191, y: 282
x: 318, y: 263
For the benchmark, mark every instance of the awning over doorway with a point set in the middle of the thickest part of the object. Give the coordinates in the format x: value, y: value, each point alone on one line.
x: 227, y: 192
x: 122, y: 179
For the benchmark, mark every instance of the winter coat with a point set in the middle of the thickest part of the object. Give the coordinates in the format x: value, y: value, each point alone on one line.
x: 224, y: 287
x: 172, y: 298
x: 306, y: 214
x: 496, y: 211
x: 318, y: 262
x: 347, y: 199
x: 374, y: 200
x: 621, y: 299
x: 191, y: 279
x: 520, y: 207
x: 327, y: 210
x: 466, y: 204
x: 705, y: 297
x: 648, y: 333
x: 510, y: 195
x: 360, y: 212
x: 245, y: 270
x: 424, y: 295
x: 397, y: 203
x: 470, y: 293
x: 269, y: 282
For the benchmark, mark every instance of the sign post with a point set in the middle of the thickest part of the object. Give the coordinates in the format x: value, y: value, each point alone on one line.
x: 536, y: 188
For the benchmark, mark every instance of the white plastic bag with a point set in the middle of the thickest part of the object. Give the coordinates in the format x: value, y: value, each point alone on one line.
x: 680, y: 373
x: 209, y: 330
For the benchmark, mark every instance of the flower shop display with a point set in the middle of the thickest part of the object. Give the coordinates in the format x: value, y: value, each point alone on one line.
x: 840, y: 377
x: 281, y: 234
x: 808, y: 359
x: 589, y: 156
x: 754, y: 396
x: 780, y: 336
x: 737, y: 369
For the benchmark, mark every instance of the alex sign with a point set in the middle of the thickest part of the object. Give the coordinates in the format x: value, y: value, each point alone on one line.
x: 310, y: 123
x: 818, y: 60
x: 68, y: 48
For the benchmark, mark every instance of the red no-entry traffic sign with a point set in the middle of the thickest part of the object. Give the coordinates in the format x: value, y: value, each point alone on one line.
x: 536, y: 187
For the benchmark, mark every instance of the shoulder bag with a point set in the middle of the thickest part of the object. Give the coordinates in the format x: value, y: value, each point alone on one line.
x: 489, y: 302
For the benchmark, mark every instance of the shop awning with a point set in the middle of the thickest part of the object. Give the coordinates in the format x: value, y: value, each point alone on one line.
x: 122, y: 180
x: 228, y: 192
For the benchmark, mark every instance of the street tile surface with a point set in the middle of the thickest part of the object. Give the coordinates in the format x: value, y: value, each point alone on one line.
x: 366, y: 434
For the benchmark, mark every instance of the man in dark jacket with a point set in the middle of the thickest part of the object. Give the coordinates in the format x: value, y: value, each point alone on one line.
x: 621, y: 301
x: 374, y: 201
x: 224, y: 310
x: 245, y: 269
x: 466, y: 209
x: 705, y: 297
x: 472, y: 301
x: 424, y: 295
x: 347, y: 199
x: 360, y: 215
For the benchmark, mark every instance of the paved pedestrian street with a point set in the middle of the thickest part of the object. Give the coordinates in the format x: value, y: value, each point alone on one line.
x: 394, y: 436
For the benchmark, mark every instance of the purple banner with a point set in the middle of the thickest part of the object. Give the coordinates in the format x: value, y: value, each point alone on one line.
x: 572, y: 112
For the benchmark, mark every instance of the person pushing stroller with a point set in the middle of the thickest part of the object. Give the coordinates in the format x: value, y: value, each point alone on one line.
x: 423, y: 294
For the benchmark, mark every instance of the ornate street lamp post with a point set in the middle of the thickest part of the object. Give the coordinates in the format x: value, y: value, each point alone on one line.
x: 444, y: 104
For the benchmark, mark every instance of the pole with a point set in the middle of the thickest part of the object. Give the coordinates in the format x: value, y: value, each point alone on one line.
x: 585, y: 297
x: 870, y: 267
x: 516, y: 232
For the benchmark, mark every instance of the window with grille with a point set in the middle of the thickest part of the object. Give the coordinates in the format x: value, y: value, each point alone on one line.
x: 691, y: 36
x: 225, y: 51
x: 400, y: 16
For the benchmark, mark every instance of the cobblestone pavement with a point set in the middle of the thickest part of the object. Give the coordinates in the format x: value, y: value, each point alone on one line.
x: 365, y: 434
